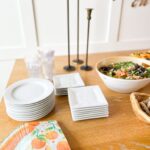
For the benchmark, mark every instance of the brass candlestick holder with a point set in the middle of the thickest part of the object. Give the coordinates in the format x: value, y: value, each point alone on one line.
x: 86, y: 67
x: 78, y: 60
x: 69, y: 67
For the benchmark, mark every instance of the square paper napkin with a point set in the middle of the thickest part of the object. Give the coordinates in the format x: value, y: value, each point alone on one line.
x: 38, y: 135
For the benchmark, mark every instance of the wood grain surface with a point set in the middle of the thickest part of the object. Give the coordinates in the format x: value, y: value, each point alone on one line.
x: 120, y: 131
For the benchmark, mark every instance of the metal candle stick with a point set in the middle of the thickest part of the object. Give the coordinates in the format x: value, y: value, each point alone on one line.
x: 86, y: 66
x: 69, y: 67
x: 78, y: 60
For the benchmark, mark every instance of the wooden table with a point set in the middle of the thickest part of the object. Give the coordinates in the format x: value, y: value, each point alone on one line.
x: 120, y: 131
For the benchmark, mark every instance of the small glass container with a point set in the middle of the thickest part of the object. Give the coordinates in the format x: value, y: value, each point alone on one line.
x: 34, y: 66
x: 47, y: 58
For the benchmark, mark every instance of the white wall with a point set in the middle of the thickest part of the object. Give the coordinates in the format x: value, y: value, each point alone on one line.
x: 115, y: 25
x: 17, y: 28
x: 52, y: 24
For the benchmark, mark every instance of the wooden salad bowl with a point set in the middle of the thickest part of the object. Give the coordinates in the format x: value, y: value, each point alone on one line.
x: 136, y: 98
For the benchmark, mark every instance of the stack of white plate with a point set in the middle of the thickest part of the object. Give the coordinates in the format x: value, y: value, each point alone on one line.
x: 63, y: 82
x: 87, y: 103
x: 29, y: 99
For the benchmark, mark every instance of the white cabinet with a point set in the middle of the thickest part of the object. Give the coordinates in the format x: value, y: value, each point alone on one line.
x: 134, y: 23
x: 52, y: 24
x: 17, y: 28
x: 115, y: 25
x: 134, y: 26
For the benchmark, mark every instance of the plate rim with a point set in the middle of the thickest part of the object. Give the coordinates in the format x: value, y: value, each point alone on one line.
x: 8, y: 92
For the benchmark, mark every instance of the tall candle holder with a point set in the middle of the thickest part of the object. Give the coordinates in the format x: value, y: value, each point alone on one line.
x: 69, y: 67
x: 86, y: 67
x: 78, y: 60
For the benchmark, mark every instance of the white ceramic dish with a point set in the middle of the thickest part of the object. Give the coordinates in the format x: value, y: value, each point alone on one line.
x: 29, y: 99
x: 32, y: 110
x: 50, y: 99
x: 68, y: 80
x: 28, y: 119
x: 91, y: 114
x: 28, y: 91
x: 86, y: 97
x: 27, y: 112
x: 87, y: 103
x: 61, y: 92
x: 90, y: 117
x: 17, y: 108
x: 31, y: 114
x: 32, y: 117
x: 90, y: 110
x: 122, y: 85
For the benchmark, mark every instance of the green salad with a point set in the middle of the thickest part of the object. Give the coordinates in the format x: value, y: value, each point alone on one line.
x: 126, y: 70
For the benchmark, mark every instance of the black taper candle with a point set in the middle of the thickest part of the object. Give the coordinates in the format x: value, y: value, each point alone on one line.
x: 86, y: 66
x: 69, y: 67
x: 78, y: 60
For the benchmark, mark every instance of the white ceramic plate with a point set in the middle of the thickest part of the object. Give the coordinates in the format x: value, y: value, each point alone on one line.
x: 29, y: 119
x: 28, y: 91
x: 61, y: 94
x: 92, y: 111
x: 62, y: 90
x: 31, y: 106
x: 67, y: 81
x: 90, y: 108
x: 89, y: 117
x: 33, y: 117
x: 86, y: 97
x: 31, y: 110
x: 31, y: 114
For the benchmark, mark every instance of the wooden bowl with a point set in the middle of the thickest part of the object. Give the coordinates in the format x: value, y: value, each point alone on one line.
x: 136, y: 98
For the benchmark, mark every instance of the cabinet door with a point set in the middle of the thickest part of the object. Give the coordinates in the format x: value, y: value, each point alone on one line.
x: 51, y: 24
x: 134, y: 29
x: 17, y: 30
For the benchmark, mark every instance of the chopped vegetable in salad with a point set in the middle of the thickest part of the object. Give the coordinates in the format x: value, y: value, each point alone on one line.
x: 126, y: 70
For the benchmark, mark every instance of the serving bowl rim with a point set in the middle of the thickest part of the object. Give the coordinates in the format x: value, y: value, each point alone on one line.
x: 132, y: 80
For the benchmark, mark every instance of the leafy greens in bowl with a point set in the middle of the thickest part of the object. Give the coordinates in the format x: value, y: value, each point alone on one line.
x: 124, y: 74
x: 126, y: 70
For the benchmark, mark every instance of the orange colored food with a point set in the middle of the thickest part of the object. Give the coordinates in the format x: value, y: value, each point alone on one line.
x: 52, y: 135
x: 145, y: 55
x: 142, y: 54
x: 37, y: 143
x: 63, y: 145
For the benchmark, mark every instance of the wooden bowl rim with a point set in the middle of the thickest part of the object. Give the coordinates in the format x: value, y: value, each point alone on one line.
x: 137, y: 108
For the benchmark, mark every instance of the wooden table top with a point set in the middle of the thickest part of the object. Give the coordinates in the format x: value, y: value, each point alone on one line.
x: 120, y: 131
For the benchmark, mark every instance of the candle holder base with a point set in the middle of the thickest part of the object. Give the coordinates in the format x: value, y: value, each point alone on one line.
x: 86, y: 68
x: 78, y: 61
x: 69, y: 68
